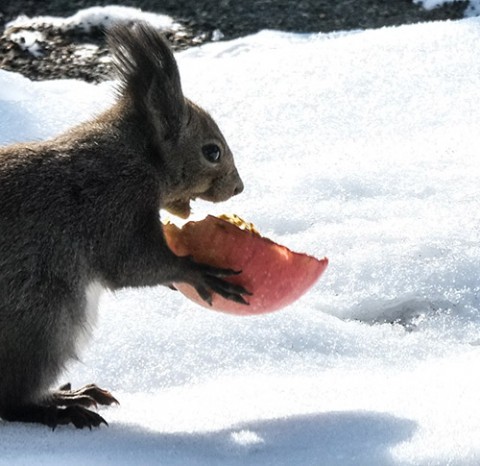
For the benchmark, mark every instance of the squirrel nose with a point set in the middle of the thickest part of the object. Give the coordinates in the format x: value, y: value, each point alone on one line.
x: 239, y: 188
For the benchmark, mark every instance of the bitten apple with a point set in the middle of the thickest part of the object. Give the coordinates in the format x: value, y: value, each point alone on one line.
x: 275, y: 275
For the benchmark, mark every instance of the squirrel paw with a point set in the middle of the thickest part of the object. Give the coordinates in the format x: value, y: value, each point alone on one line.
x: 88, y: 396
x: 54, y: 416
x: 79, y: 416
x: 208, y: 280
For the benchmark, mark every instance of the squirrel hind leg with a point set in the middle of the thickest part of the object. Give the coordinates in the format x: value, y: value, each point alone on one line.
x: 53, y: 416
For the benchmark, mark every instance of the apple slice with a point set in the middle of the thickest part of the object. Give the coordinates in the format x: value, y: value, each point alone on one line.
x: 274, y: 275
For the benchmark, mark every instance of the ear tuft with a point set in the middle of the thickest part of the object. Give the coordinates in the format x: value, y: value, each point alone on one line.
x: 149, y: 75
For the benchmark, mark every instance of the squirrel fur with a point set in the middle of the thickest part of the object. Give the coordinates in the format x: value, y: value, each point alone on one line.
x: 80, y: 213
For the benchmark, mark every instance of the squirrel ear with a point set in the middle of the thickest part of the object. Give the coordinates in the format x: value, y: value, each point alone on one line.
x: 149, y: 76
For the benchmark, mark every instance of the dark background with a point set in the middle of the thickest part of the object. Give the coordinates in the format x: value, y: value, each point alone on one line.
x: 239, y: 17
x: 200, y: 18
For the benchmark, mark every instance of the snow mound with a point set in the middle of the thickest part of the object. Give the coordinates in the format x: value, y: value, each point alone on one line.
x: 97, y: 17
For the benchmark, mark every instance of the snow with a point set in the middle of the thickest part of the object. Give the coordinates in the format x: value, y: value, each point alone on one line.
x: 360, y: 146
x: 97, y: 16
x: 431, y: 4
x: 472, y: 8
x: 22, y: 30
x: 28, y: 40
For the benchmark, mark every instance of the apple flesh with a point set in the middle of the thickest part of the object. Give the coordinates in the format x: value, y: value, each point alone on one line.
x: 275, y: 275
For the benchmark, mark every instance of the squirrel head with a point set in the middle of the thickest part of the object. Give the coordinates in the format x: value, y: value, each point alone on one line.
x: 187, y: 145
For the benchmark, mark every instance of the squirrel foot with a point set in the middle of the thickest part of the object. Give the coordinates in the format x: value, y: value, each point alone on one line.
x: 87, y: 396
x: 64, y: 406
x: 53, y: 416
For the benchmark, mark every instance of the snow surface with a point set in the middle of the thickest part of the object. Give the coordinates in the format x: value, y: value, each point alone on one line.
x: 363, y: 147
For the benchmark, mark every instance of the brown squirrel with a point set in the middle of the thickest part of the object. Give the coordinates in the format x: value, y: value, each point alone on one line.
x: 80, y: 213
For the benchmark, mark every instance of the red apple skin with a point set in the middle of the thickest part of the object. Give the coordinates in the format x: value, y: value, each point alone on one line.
x: 274, y: 275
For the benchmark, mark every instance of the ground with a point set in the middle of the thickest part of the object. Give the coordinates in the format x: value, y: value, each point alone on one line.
x: 200, y: 18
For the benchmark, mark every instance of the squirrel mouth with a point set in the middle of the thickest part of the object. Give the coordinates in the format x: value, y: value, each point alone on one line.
x: 180, y: 208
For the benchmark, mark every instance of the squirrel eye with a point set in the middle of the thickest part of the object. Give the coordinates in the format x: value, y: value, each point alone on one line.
x: 211, y: 152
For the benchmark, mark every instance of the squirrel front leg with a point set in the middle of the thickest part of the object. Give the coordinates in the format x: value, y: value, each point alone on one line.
x: 146, y: 260
x: 207, y: 279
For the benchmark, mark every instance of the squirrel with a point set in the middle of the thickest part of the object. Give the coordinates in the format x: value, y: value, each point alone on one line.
x: 79, y: 213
